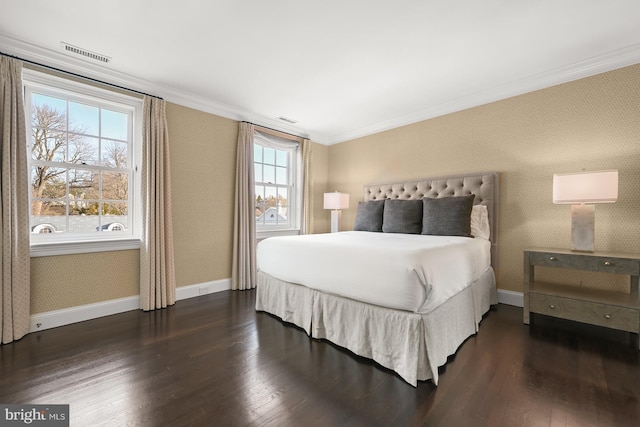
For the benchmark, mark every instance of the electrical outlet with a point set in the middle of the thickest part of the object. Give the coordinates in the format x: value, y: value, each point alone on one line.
x: 203, y: 290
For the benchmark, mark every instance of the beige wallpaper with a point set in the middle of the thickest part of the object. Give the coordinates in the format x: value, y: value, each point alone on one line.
x: 593, y: 124
x: 202, y: 165
x: 203, y: 153
x: 320, y: 178
x: 65, y: 281
x: 590, y: 124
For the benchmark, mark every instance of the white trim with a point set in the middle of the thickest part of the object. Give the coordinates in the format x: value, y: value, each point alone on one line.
x: 67, y: 316
x: 68, y: 248
x: 293, y: 151
x: 261, y: 235
x: 619, y: 58
x: 72, y: 243
x: 199, y: 289
x: 511, y: 298
x: 52, y: 58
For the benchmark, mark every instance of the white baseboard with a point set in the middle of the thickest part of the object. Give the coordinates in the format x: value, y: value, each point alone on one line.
x: 199, y: 289
x: 510, y: 298
x: 53, y: 319
x: 67, y: 316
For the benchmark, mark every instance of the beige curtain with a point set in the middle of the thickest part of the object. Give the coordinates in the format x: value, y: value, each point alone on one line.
x: 157, y: 271
x: 307, y: 191
x: 243, y: 273
x: 16, y: 282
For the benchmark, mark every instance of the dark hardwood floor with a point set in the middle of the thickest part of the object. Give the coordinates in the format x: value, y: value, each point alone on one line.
x: 213, y: 360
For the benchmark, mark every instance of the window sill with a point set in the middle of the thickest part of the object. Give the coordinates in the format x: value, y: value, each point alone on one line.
x: 260, y: 235
x: 68, y: 248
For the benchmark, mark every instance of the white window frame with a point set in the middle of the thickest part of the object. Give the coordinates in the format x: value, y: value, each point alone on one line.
x: 72, y: 243
x: 294, y: 214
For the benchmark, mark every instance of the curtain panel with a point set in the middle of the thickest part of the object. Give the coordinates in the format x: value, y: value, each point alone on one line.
x: 15, y: 285
x: 243, y: 272
x: 307, y: 190
x: 157, y: 269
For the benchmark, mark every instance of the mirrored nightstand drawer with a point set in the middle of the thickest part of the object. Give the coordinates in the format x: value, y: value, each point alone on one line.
x: 624, y: 319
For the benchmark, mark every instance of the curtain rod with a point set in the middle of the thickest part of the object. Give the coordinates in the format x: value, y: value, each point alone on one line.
x: 78, y: 75
x: 275, y: 130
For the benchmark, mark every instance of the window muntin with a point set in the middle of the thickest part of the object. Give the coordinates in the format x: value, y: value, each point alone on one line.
x: 83, y: 147
x: 275, y: 167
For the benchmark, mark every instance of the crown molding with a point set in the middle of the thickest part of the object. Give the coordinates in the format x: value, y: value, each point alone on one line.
x: 64, y: 62
x: 609, y: 61
x: 52, y: 58
x: 619, y: 58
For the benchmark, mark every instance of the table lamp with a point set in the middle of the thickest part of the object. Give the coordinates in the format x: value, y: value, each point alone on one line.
x: 581, y: 190
x: 336, y: 201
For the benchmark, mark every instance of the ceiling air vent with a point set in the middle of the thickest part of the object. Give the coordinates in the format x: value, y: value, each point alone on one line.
x: 85, y: 53
x: 285, y: 119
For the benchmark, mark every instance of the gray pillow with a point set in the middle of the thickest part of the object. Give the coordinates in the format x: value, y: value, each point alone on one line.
x: 447, y: 216
x: 369, y: 216
x: 402, y: 216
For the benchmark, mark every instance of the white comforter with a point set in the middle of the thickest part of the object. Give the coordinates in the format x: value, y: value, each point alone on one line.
x: 401, y: 271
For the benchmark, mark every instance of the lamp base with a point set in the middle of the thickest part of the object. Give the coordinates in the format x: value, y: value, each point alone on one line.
x: 583, y: 220
x: 335, y: 220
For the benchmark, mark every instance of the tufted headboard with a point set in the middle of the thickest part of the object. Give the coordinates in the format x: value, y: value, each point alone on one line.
x: 484, y: 185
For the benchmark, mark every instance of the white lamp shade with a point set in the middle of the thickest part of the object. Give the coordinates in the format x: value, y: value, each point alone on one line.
x: 336, y: 200
x: 585, y: 187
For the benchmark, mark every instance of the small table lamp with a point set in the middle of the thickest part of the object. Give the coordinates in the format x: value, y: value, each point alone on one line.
x: 335, y: 202
x: 581, y: 188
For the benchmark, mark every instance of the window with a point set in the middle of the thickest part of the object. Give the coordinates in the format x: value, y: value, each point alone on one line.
x: 276, y: 183
x: 83, y: 145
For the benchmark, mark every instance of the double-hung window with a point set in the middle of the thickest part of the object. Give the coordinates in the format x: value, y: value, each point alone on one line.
x: 277, y: 184
x: 84, y: 146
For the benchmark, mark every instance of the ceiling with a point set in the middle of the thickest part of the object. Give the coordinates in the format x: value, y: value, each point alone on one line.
x: 342, y: 69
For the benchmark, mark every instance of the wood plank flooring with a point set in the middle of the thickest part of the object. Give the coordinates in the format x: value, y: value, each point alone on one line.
x: 214, y: 361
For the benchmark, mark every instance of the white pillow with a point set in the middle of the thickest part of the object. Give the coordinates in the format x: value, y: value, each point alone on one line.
x: 480, y: 222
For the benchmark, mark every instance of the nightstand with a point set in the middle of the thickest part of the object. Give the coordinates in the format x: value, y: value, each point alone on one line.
x: 597, y: 307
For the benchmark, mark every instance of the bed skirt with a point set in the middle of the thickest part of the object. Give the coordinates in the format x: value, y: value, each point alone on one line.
x: 411, y: 344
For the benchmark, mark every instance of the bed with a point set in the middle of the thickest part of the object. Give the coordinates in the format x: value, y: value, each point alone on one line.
x: 402, y: 296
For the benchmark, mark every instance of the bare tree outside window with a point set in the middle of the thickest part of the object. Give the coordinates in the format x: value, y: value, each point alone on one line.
x: 52, y: 143
x: 83, y: 143
x: 79, y: 167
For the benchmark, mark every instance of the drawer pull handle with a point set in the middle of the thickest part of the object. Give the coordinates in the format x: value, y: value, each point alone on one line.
x: 608, y: 263
x: 552, y: 307
x: 552, y: 258
x: 607, y: 316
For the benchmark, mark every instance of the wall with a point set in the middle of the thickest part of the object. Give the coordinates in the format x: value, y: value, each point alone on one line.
x: 590, y: 124
x: 65, y: 281
x: 320, y: 179
x: 203, y: 150
x: 203, y: 156
x: 593, y: 123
